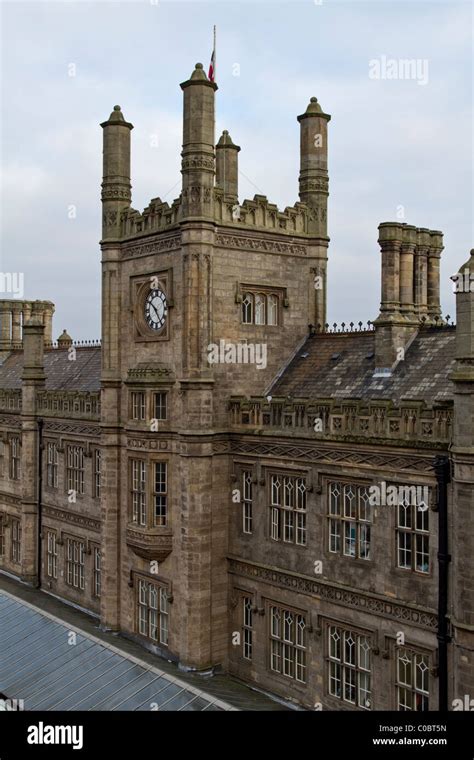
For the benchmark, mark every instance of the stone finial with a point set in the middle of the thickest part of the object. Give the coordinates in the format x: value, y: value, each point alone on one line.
x: 199, y: 77
x: 64, y: 340
x: 117, y: 118
x: 314, y: 109
x: 225, y: 141
x: 199, y: 72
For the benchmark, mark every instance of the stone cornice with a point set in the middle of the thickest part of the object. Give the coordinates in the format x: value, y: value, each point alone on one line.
x: 262, y: 243
x: 369, y: 603
x: 73, y: 518
x: 326, y: 454
x: 74, y: 427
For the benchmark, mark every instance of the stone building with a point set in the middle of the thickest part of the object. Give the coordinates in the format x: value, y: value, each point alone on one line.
x: 226, y: 478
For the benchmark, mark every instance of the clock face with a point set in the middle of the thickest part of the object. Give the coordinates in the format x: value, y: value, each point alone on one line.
x: 156, y: 309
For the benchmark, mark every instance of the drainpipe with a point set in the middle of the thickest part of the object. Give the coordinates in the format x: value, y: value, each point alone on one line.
x: 40, y: 497
x: 442, y: 471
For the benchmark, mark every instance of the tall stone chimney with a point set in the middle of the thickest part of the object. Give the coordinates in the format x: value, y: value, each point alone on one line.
x: 116, y: 187
x: 227, y: 169
x: 462, y: 498
x: 198, y: 164
x: 314, y: 179
x: 410, y: 288
x: 33, y: 381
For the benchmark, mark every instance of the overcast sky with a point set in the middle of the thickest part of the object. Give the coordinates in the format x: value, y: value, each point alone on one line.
x: 392, y: 143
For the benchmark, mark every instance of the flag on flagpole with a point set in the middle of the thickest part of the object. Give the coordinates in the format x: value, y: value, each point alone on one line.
x: 212, y: 66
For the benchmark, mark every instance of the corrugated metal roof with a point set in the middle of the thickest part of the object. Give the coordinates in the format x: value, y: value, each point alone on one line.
x: 40, y: 665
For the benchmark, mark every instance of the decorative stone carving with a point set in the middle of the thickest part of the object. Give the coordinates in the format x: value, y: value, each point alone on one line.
x: 260, y: 244
x: 150, y: 248
x: 422, y: 618
x: 148, y: 544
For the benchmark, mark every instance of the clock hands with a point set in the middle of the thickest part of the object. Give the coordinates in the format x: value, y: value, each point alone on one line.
x: 155, y: 310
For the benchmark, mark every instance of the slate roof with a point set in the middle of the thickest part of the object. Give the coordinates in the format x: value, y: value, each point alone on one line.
x: 83, y: 374
x: 342, y: 365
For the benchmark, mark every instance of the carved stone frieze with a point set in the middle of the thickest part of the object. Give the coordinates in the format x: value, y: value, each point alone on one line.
x: 364, y: 602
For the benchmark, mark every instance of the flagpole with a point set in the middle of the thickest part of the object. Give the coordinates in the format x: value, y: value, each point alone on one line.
x: 215, y: 54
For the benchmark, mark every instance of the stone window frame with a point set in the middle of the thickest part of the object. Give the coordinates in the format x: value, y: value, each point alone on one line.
x: 151, y: 497
x: 15, y: 540
x: 52, y: 464
x: 155, y: 406
x: 265, y: 292
x: 138, y: 405
x: 14, y: 446
x: 328, y: 623
x: 52, y: 553
x: 296, y: 475
x: 70, y: 562
x: 417, y: 651
x: 138, y: 506
x: 3, y: 540
x: 414, y: 532
x: 163, y: 614
x: 283, y: 607
x: 239, y: 468
x: 149, y: 404
x: 75, y: 475
x: 356, y: 483
x: 96, y: 472
x: 2, y: 457
x: 96, y: 586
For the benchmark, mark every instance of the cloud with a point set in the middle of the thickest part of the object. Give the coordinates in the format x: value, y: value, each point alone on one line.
x: 390, y: 142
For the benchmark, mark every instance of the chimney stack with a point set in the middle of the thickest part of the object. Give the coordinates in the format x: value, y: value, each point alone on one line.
x: 410, y: 288
x: 198, y: 161
x: 313, y: 179
x: 116, y: 187
x: 227, y: 169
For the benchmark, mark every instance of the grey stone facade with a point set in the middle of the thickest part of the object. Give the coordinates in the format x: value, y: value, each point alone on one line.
x: 231, y: 529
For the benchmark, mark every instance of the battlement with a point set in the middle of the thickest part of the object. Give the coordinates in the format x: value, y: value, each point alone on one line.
x: 158, y: 216
x: 260, y: 213
x: 413, y: 421
x: 210, y: 175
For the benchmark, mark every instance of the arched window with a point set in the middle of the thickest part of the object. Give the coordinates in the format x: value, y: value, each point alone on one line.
x: 272, y: 310
x: 259, y: 309
x: 247, y: 309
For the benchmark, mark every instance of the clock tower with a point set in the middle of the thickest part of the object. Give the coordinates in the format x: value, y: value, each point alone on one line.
x: 201, y: 277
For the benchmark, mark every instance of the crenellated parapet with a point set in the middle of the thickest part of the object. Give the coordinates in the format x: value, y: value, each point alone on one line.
x: 10, y: 400
x: 158, y: 216
x: 411, y: 421
x: 260, y: 213
x: 71, y: 404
